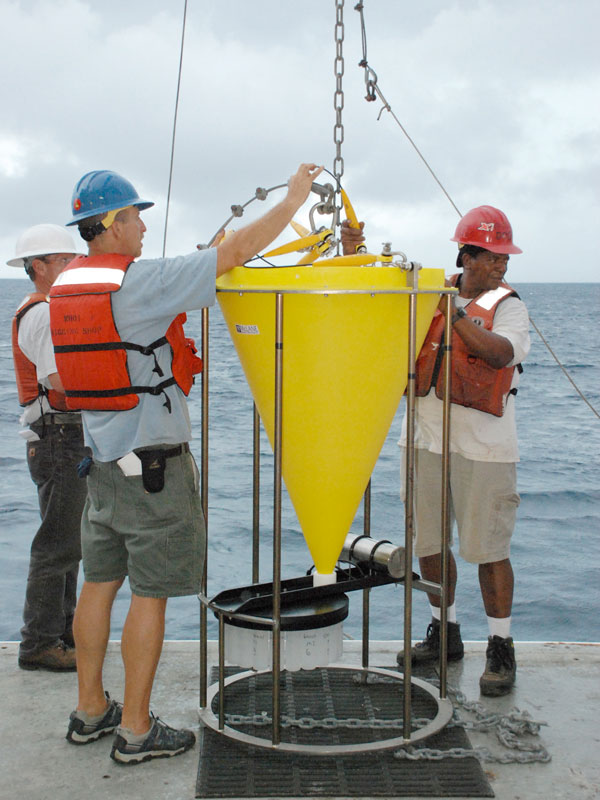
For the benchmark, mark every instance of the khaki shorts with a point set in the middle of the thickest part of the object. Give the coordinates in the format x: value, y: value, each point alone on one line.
x: 483, y: 503
x: 157, y: 539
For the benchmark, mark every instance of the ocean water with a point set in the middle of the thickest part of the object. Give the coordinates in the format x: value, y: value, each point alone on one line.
x: 556, y: 545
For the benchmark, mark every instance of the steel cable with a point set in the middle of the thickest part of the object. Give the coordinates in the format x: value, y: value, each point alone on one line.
x: 373, y: 90
x: 174, y: 127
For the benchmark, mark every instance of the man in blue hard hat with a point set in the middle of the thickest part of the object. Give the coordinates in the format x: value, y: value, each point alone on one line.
x: 117, y: 327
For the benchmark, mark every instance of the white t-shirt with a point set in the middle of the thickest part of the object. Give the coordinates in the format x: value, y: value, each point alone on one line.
x: 475, y: 434
x: 36, y: 343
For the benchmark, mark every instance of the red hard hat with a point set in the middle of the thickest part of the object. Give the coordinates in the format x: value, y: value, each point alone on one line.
x: 487, y: 227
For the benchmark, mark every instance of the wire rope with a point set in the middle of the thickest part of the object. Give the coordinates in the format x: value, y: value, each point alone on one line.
x: 174, y: 127
x: 373, y: 90
x: 555, y: 357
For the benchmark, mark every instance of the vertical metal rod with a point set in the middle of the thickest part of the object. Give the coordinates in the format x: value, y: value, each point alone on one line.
x: 367, y: 510
x: 278, y: 416
x: 409, y: 505
x: 445, y: 521
x: 221, y: 672
x: 366, y: 591
x: 204, y: 502
x: 365, y: 627
x: 255, y: 495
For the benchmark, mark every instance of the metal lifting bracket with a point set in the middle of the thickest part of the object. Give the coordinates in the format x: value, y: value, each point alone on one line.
x: 326, y: 205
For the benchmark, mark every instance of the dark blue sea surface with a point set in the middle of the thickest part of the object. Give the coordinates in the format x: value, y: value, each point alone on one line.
x: 556, y: 546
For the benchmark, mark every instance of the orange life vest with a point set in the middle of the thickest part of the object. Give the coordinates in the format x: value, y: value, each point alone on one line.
x: 28, y: 387
x: 475, y: 384
x: 90, y: 356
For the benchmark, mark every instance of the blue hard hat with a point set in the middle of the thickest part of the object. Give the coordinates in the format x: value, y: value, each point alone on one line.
x: 101, y: 191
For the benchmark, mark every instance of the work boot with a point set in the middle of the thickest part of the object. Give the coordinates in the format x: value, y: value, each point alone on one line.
x: 500, y: 667
x: 56, y: 659
x: 429, y: 649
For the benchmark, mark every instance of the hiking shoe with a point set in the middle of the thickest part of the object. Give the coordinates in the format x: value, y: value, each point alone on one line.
x: 500, y: 667
x: 161, y: 741
x: 58, y: 658
x: 84, y: 728
x: 429, y: 649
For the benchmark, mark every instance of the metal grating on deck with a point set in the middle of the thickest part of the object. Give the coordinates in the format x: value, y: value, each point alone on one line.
x: 230, y: 769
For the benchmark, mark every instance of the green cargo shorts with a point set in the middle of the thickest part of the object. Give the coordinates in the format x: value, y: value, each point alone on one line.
x: 157, y: 539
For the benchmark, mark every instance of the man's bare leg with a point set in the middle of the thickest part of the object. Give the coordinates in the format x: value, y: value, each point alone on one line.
x: 497, y: 581
x: 431, y: 570
x: 141, y: 646
x: 91, y: 630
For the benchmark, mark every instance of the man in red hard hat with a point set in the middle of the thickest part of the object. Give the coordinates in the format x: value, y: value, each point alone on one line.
x: 490, y: 340
x: 117, y: 328
x: 54, y: 448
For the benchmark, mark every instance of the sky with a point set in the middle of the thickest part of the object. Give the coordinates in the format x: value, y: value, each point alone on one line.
x: 502, y: 99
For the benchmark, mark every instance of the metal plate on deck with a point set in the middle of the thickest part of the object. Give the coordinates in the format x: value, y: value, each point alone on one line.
x: 234, y: 769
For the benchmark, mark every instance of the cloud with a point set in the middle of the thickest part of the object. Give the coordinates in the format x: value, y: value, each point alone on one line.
x: 501, y: 99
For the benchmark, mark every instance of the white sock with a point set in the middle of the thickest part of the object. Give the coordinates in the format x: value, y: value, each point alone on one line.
x: 90, y: 719
x: 499, y: 626
x: 435, y: 612
x: 133, y: 738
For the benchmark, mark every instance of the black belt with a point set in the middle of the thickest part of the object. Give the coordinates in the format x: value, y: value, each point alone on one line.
x: 58, y: 418
x: 165, y: 450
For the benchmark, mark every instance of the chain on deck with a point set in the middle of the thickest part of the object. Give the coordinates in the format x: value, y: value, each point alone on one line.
x: 509, y: 729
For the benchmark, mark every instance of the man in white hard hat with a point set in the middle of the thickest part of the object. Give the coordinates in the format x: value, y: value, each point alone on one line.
x: 117, y: 328
x: 54, y: 448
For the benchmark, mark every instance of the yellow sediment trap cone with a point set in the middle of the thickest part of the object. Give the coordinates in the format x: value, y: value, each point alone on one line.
x: 345, y: 361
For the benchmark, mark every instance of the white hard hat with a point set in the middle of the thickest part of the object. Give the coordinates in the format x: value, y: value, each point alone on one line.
x: 42, y: 240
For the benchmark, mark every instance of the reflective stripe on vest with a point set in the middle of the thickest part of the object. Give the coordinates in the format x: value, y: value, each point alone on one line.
x: 105, y: 279
x: 90, y: 354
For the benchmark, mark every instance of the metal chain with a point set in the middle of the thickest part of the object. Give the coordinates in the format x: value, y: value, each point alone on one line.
x: 515, y: 722
x: 508, y: 728
x: 308, y: 723
x: 481, y: 753
x: 338, y: 105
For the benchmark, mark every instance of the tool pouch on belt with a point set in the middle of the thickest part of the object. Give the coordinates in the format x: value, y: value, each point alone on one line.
x: 154, y: 463
x: 153, y: 469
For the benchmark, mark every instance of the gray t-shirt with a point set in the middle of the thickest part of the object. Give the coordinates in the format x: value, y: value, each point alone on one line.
x: 153, y: 293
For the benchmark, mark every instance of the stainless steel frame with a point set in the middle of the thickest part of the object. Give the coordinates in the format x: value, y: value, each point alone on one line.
x: 442, y: 718
x: 444, y: 713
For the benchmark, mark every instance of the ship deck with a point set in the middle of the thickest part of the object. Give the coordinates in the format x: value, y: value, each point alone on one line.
x: 557, y: 683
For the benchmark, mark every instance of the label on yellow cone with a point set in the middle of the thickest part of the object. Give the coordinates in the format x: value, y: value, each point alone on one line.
x: 345, y: 364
